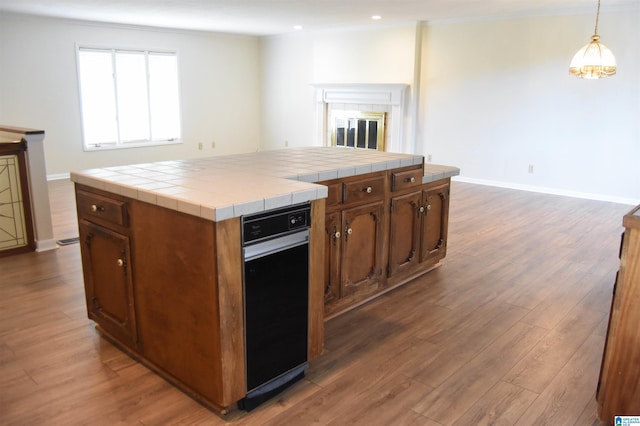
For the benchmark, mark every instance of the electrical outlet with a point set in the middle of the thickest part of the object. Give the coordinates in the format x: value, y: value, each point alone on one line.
x: 200, y: 146
x: 286, y: 143
x: 429, y: 157
x: 213, y: 144
x: 530, y: 168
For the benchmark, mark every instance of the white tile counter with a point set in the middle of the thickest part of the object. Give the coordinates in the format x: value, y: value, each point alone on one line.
x: 219, y: 188
x: 433, y: 172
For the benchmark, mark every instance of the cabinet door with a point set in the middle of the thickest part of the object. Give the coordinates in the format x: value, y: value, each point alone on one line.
x: 404, y: 235
x: 435, y: 222
x: 107, y: 277
x: 362, y: 243
x: 333, y: 239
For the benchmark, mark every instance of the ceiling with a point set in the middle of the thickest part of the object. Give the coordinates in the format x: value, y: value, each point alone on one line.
x: 270, y: 17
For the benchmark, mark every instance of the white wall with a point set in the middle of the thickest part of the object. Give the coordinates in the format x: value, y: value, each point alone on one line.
x: 219, y: 81
x: 287, y: 95
x: 496, y: 97
x: 370, y: 55
x: 291, y: 64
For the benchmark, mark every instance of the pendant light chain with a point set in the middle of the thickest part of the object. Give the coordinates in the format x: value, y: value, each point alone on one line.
x: 597, y: 18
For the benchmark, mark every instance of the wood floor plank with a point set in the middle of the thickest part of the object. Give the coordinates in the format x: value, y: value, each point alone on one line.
x: 468, y: 384
x: 385, y: 403
x: 503, y: 404
x: 371, y: 385
x: 565, y: 398
x: 540, y: 366
x: 465, y: 342
x: 589, y: 416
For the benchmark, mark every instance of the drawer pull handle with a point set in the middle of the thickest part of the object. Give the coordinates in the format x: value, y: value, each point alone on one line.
x: 368, y: 189
x: 412, y: 179
x: 96, y: 208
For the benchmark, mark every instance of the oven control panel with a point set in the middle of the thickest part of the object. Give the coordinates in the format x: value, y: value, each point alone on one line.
x: 275, y: 222
x: 299, y: 220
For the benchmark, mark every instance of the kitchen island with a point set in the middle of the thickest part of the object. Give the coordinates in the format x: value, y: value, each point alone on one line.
x: 162, y: 257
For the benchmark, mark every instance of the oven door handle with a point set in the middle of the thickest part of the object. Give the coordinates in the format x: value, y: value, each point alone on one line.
x: 265, y: 248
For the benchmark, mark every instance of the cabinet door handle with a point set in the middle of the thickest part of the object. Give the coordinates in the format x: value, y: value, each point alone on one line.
x: 336, y: 235
x: 368, y: 189
x: 120, y: 263
x: 349, y: 232
x: 421, y: 209
x: 428, y: 206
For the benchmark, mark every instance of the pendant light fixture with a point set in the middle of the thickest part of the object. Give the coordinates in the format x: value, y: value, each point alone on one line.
x: 594, y: 60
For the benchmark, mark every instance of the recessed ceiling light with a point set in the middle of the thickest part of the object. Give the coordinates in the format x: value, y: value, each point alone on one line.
x: 376, y: 17
x: 297, y: 27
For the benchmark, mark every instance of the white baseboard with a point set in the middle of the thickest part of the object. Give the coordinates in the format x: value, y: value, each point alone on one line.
x: 553, y: 191
x: 46, y: 245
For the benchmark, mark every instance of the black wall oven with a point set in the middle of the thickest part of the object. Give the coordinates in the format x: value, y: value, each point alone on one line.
x: 276, y: 300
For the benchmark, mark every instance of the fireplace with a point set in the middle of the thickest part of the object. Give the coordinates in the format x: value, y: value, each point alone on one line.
x: 358, y: 129
x: 361, y: 116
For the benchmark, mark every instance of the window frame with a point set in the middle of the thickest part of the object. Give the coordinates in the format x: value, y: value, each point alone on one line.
x: 119, y: 144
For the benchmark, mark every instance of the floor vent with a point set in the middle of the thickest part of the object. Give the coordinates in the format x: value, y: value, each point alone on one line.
x: 68, y: 241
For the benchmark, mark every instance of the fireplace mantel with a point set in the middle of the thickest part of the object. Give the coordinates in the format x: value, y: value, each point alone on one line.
x: 361, y: 96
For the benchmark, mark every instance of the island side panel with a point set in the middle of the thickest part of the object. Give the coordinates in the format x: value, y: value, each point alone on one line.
x: 316, y: 280
x: 231, y: 310
x: 619, y: 384
x: 176, y: 298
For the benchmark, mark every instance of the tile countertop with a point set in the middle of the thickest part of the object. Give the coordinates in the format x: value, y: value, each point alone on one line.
x: 434, y: 172
x: 219, y: 188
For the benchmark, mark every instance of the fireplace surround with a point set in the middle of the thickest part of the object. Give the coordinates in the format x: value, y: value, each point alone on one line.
x: 345, y: 99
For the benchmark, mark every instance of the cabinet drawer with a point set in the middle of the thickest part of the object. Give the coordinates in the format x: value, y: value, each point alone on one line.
x: 369, y: 189
x: 334, y: 196
x: 99, y: 207
x: 406, y: 179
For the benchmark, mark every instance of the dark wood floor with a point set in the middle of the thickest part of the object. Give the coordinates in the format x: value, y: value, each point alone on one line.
x: 509, y: 330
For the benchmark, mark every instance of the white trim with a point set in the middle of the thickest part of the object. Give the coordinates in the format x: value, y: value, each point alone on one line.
x: 552, y: 191
x: 392, y: 95
x: 46, y: 245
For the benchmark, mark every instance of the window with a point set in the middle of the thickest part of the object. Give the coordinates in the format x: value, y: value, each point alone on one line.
x: 128, y: 97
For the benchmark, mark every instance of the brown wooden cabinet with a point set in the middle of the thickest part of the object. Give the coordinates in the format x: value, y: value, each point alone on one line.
x: 418, y: 227
x: 16, y: 221
x: 361, y: 254
x: 332, y: 252
x: 404, y: 231
x: 369, y: 251
x: 167, y: 287
x: 355, y: 232
x: 435, y: 222
x: 618, y: 391
x: 106, y: 264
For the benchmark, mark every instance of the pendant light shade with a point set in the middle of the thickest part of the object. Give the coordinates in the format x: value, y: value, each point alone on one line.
x: 595, y: 60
